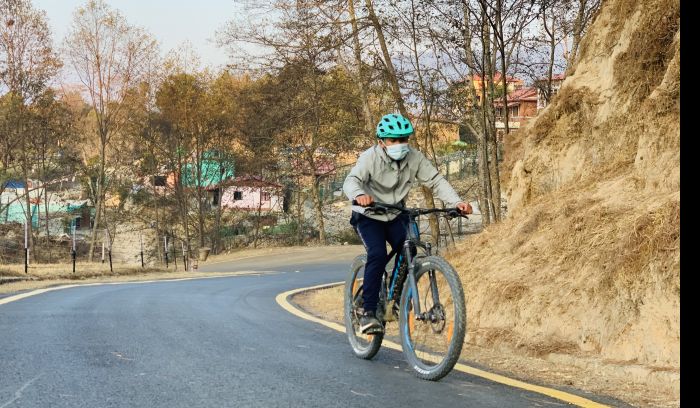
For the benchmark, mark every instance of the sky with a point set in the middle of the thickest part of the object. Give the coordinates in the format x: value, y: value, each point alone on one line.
x: 171, y: 22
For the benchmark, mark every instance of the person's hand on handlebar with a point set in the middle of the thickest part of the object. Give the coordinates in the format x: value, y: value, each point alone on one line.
x: 464, y: 208
x: 364, y: 200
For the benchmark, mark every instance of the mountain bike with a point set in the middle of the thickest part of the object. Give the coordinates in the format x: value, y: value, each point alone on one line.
x: 423, y: 291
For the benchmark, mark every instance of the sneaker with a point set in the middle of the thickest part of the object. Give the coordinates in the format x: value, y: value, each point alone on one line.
x: 369, y: 324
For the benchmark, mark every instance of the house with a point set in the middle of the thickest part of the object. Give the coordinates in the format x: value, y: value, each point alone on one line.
x: 215, y: 168
x: 250, y: 193
x: 522, y: 105
x: 13, y: 206
x: 512, y: 84
x: 61, y: 214
x: 541, y: 85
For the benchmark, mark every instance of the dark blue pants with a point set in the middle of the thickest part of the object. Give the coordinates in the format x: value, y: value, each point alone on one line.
x: 375, y: 234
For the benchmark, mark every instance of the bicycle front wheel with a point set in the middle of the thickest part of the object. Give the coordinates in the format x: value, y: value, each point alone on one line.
x: 363, y: 345
x: 433, y: 341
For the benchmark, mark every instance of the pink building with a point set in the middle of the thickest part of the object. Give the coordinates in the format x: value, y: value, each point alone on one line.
x: 251, y: 193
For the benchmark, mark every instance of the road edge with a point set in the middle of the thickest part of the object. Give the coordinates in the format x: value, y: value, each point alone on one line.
x: 282, y: 299
x: 24, y: 295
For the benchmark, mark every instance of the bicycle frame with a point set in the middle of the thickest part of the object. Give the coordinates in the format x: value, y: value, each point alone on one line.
x: 413, y: 239
x: 414, y: 324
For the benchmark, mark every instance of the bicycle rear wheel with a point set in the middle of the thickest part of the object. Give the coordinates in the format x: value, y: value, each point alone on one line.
x: 364, y: 346
x: 432, y: 344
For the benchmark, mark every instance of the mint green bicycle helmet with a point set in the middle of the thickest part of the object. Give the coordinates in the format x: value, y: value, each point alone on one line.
x: 394, y: 126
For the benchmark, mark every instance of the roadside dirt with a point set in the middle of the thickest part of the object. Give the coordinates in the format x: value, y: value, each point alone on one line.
x: 630, y: 383
x: 13, y: 279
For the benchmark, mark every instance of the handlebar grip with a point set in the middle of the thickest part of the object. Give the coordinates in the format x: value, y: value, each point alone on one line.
x: 354, y: 202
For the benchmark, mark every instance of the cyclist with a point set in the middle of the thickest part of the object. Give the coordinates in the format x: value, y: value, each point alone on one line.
x: 386, y: 172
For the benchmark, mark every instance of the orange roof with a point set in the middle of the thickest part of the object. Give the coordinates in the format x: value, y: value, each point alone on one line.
x: 523, y: 94
x: 517, y: 96
x: 496, y: 78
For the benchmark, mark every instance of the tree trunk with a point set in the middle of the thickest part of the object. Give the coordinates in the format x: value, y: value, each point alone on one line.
x: 493, y: 185
x: 156, y: 205
x: 468, y: 52
x: 391, y: 72
x: 300, y: 216
x: 182, y: 204
x: 476, y: 124
x: 427, y: 193
x: 484, y: 176
x: 46, y: 203
x: 25, y: 175
x: 577, y: 33
x: 361, y: 73
x: 504, y: 76
x: 318, y: 207
x: 494, y: 181
x: 398, y: 98
x: 550, y: 65
x: 216, y: 238
x: 258, y: 212
x: 99, y: 197
x: 199, y: 188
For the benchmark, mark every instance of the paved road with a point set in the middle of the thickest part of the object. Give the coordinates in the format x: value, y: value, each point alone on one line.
x: 220, y: 342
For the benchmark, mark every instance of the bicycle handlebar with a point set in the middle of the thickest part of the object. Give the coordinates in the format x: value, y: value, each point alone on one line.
x: 384, y: 207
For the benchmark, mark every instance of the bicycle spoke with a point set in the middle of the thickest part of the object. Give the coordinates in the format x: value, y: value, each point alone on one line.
x: 432, y: 341
x: 363, y: 345
x: 429, y: 336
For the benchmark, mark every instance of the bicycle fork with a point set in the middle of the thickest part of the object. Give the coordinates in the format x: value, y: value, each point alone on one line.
x: 412, y: 285
x: 413, y: 288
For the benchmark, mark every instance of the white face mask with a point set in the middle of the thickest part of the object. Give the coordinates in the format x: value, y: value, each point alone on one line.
x: 397, y: 151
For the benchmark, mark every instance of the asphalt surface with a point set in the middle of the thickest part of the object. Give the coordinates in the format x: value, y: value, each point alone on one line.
x: 219, y: 342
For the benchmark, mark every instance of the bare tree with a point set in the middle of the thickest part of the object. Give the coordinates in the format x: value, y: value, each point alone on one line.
x: 27, y: 63
x: 52, y: 124
x: 585, y: 11
x: 393, y: 81
x: 362, y: 77
x: 313, y: 101
x: 108, y: 56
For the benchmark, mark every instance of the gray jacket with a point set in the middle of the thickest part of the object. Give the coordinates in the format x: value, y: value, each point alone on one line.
x: 389, y: 181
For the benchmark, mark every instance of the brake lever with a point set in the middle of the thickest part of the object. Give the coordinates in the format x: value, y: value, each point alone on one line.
x: 373, y: 207
x: 454, y: 214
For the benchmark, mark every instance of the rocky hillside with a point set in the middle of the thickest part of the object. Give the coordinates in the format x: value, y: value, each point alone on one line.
x: 588, y: 262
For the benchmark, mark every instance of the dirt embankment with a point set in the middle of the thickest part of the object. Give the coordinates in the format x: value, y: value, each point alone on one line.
x: 588, y: 263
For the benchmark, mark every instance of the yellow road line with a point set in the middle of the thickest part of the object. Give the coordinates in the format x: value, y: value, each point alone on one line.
x: 283, y: 300
x: 35, y: 292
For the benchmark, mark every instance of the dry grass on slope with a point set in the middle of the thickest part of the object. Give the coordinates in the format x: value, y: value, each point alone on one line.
x: 589, y: 262
x: 579, y: 275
